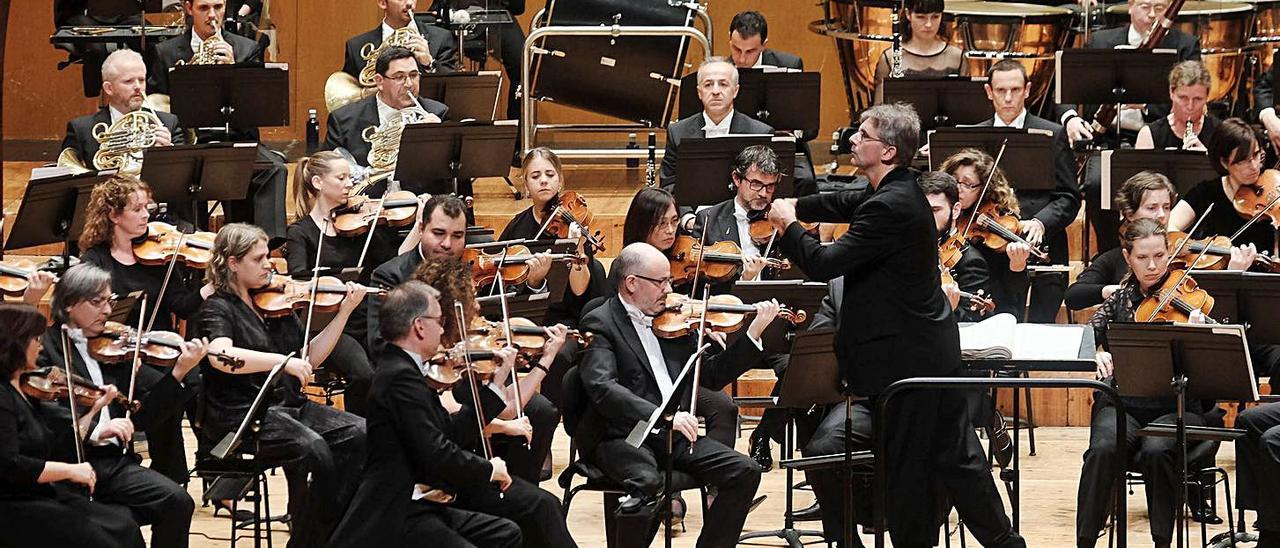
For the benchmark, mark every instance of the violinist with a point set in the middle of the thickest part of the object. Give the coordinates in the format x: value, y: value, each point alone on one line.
x: 970, y: 274
x: 1235, y: 153
x: 319, y: 447
x: 627, y: 371
x: 971, y: 168
x: 44, y: 500
x: 544, y: 185
x: 1044, y: 214
x: 413, y: 440
x: 1189, y: 126
x: 82, y: 301
x: 1145, y: 249
x: 756, y: 175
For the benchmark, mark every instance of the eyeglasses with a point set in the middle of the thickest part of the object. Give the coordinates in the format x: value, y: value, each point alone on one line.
x: 757, y: 185
x: 103, y: 300
x: 970, y: 186
x: 861, y: 135
x: 1257, y: 156
x: 435, y: 318
x: 404, y: 78
x: 660, y: 282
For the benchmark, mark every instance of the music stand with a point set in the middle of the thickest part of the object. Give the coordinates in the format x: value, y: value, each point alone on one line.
x: 1113, y: 76
x: 470, y: 95
x: 199, y: 173
x: 1205, y: 362
x: 462, y: 150
x: 705, y: 165
x: 941, y: 102
x: 1184, y: 168
x: 1249, y: 298
x: 228, y: 96
x: 232, y: 440
x: 52, y: 210
x: 1028, y: 157
x: 788, y: 101
x: 799, y: 295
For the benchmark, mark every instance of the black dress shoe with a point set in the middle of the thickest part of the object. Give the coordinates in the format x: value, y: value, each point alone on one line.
x: 812, y: 513
x: 635, y: 503
x: 1001, y: 444
x: 761, y: 452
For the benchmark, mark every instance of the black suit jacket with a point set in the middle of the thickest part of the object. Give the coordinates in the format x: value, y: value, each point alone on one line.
x: 346, y: 125
x: 718, y: 223
x: 1187, y: 46
x: 390, y: 274
x: 169, y: 52
x: 782, y: 59
x: 692, y: 126
x: 971, y: 275
x: 619, y: 383
x: 1263, y: 95
x: 440, y: 42
x: 903, y: 326
x: 79, y: 135
x: 1055, y: 208
x: 412, y: 439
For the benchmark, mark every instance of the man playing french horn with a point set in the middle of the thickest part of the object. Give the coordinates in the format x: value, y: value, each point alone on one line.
x: 367, y: 131
x: 114, y: 137
x: 434, y: 48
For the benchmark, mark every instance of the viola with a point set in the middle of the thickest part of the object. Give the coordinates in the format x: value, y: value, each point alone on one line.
x: 571, y: 208
x: 951, y: 251
x: 514, y: 266
x: 527, y: 336
x: 1217, y: 255
x: 451, y: 364
x: 976, y: 302
x: 761, y: 230
x: 1174, y: 301
x: 720, y: 260
x: 996, y: 231
x: 50, y: 383
x: 1261, y: 198
x: 15, y: 276
x: 395, y: 209
x: 283, y: 295
x: 725, y: 314
x: 117, y: 342
x: 160, y: 243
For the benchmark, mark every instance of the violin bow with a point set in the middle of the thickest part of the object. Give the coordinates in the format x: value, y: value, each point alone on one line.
x: 373, y: 224
x: 977, y: 204
x: 697, y: 365
x: 76, y: 433
x: 1183, y: 244
x: 697, y: 266
x: 164, y: 285
x: 137, y: 363
x: 305, y: 354
x: 485, y: 446
x: 555, y: 210
x: 506, y: 327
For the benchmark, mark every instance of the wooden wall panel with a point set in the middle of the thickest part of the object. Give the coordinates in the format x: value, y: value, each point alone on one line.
x: 40, y: 99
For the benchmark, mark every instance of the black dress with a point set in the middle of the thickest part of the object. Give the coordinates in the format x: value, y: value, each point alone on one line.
x: 1106, y: 268
x: 1164, y: 136
x: 179, y: 298
x: 1225, y: 221
x: 38, y: 515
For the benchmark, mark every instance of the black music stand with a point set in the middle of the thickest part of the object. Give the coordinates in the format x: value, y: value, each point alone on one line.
x: 1163, y: 361
x: 461, y: 150
x: 230, y: 96
x: 941, y: 102
x: 1249, y: 298
x: 230, y: 442
x: 704, y: 167
x: 788, y: 101
x: 199, y: 173
x: 470, y: 95
x: 1113, y: 76
x: 1184, y: 168
x: 52, y: 210
x: 1028, y: 157
x: 798, y: 295
x: 812, y: 379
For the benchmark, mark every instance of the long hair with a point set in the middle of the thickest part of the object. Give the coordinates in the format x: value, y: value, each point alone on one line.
x: 319, y: 164
x: 452, y: 278
x: 22, y: 323
x: 645, y: 212
x: 1000, y: 192
x: 1129, y: 197
x: 234, y: 240
x: 920, y: 7
x: 109, y: 197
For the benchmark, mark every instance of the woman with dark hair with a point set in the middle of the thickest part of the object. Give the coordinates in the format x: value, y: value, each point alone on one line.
x: 1236, y: 155
x: 924, y: 51
x: 43, y: 501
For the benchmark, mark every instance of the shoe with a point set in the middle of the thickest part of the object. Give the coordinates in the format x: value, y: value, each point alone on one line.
x: 761, y: 452
x: 678, y: 509
x: 635, y: 503
x: 1001, y: 444
x: 812, y: 513
x: 239, y: 516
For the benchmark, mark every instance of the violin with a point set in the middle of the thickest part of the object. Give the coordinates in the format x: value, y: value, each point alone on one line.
x: 283, y: 295
x: 720, y: 261
x: 1216, y: 257
x: 1261, y: 198
x: 117, y: 342
x: 1174, y: 301
x: 451, y: 364
x: 527, y: 336
x: 996, y: 231
x: 951, y: 251
x: 571, y: 208
x: 514, y: 267
x: 50, y: 383
x: 15, y: 276
x: 395, y: 209
x: 977, y: 302
x: 725, y: 314
x: 160, y: 243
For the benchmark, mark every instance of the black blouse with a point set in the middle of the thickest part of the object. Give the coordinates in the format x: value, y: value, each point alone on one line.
x: 228, y: 395
x: 179, y: 298
x: 1224, y: 220
x: 1165, y: 137
x: 1106, y: 268
x: 567, y: 311
x: 339, y: 251
x: 26, y: 442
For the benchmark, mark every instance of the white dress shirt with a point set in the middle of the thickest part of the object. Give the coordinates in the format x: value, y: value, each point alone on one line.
x: 385, y: 111
x: 643, y: 325
x: 1135, y: 37
x: 744, y: 230
x: 712, y: 129
x: 1019, y: 122
x: 77, y: 339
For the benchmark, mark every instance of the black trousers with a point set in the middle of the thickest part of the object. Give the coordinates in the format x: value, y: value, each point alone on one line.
x: 264, y: 204
x: 1154, y: 457
x: 69, y: 519
x: 434, y: 526
x: 720, y: 414
x: 1258, y: 464
x: 1047, y: 291
x: 534, y: 510
x: 773, y: 421
x: 526, y: 462
x: 349, y: 358
x: 322, y: 450
x: 152, y: 498
x: 828, y: 485
x: 165, y: 443
x: 641, y: 470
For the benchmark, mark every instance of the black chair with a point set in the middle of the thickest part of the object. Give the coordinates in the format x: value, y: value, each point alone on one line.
x: 241, y: 478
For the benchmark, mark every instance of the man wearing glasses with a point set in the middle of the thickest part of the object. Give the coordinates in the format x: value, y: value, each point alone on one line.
x: 627, y: 372
x: 397, y: 81
x: 756, y: 175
